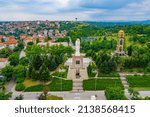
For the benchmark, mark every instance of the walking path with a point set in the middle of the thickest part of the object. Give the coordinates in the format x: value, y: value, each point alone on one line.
x: 125, y: 84
x: 77, y: 85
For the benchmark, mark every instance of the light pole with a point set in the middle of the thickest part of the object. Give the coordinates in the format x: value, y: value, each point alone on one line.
x: 95, y: 83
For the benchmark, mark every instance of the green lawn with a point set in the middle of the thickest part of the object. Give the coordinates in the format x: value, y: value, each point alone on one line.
x: 139, y: 82
x: 101, y: 84
x: 60, y: 85
x: 36, y: 88
x: 55, y: 85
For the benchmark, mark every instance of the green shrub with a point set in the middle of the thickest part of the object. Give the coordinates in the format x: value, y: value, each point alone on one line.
x: 19, y: 80
x: 36, y: 88
x: 19, y: 87
x: 114, y: 93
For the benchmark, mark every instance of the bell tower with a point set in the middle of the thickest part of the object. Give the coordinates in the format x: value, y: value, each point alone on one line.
x: 120, y: 46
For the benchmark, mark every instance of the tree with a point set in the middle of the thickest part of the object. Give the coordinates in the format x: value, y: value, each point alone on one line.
x: 7, y: 71
x: 45, y: 91
x: 44, y: 73
x: 5, y: 52
x: 133, y: 93
x: 19, y: 47
x: 14, y: 59
x: 35, y: 75
x: 105, y: 63
x: 130, y: 50
x: 5, y: 95
x: 147, y: 30
x: 36, y: 62
x: 19, y: 71
x: 24, y: 61
x: 30, y: 43
x: 114, y: 93
x: 29, y: 70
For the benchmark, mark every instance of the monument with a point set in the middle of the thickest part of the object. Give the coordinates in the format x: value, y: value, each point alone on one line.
x: 78, y: 64
x: 120, y: 46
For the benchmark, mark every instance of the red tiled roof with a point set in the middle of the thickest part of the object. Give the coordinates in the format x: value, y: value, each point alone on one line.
x: 22, y: 36
x: 3, y: 59
x: 1, y: 42
x: 12, y: 37
x: 31, y: 38
x: 11, y: 41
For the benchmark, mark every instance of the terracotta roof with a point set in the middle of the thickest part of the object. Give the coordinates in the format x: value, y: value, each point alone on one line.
x: 11, y: 41
x: 31, y: 38
x: 12, y: 37
x: 1, y: 37
x: 3, y: 59
x: 1, y: 42
x: 51, y: 41
x: 22, y: 36
x: 41, y: 38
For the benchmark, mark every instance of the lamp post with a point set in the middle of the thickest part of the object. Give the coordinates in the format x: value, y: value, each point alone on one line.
x: 95, y: 83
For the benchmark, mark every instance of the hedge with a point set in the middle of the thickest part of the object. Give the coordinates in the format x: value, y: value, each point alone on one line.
x: 114, y: 93
x: 19, y: 87
x: 19, y: 80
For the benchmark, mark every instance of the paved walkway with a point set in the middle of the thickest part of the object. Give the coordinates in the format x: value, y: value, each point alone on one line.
x: 22, y: 54
x: 125, y: 84
x: 77, y: 85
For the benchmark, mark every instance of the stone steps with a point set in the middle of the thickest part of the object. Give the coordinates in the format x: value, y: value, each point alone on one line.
x: 77, y: 85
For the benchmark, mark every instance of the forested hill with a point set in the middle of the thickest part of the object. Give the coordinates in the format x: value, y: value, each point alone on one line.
x: 108, y: 24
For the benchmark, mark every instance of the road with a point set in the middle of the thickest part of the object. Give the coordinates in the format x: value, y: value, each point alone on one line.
x: 66, y: 95
x: 22, y: 54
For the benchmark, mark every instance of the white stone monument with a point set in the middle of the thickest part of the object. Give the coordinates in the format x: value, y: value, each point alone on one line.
x: 77, y: 47
x: 78, y: 64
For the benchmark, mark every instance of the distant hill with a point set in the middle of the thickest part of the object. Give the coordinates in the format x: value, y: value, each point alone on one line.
x: 107, y: 24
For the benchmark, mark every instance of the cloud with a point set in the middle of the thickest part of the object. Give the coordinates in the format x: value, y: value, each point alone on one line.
x: 69, y: 9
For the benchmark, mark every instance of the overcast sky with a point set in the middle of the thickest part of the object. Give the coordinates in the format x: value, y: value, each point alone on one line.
x: 87, y: 10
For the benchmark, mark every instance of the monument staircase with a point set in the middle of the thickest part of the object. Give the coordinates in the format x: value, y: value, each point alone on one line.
x: 77, y: 85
